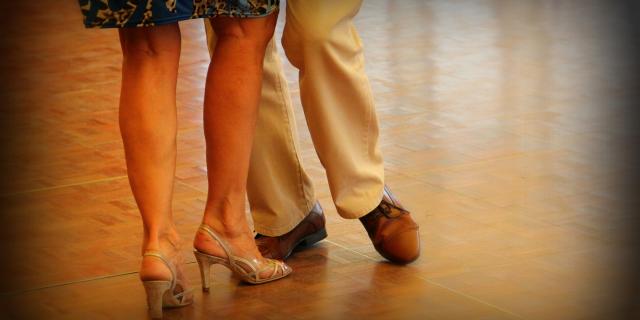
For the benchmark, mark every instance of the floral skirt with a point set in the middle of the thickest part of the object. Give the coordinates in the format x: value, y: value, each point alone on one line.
x: 142, y: 13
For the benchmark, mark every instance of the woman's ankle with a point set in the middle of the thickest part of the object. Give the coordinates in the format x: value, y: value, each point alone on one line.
x: 235, y: 233
x: 165, y: 239
x: 227, y: 229
x: 228, y: 222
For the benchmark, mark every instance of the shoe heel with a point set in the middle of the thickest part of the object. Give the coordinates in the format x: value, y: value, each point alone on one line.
x: 204, y: 264
x: 155, y: 296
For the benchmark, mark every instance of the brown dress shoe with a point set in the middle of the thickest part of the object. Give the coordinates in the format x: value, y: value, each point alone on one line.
x: 309, y: 231
x: 392, y: 230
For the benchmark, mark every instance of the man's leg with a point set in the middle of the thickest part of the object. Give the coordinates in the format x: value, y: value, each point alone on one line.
x: 321, y: 41
x: 280, y: 192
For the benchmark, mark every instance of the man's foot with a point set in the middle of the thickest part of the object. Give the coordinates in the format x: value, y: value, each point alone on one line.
x: 309, y: 231
x: 392, y: 230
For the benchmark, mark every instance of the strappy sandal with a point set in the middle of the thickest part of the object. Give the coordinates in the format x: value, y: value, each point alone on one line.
x: 250, y: 271
x: 161, y: 293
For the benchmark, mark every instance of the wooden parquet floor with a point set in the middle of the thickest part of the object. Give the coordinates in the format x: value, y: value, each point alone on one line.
x: 500, y: 131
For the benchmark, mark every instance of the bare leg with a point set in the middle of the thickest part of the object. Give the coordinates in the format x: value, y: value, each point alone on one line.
x: 148, y: 128
x: 231, y: 100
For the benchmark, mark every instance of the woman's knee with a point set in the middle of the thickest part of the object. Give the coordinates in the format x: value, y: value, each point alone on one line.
x: 256, y: 31
x: 151, y: 42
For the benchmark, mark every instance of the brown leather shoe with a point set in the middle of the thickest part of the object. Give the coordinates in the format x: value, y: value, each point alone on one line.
x: 392, y: 230
x: 309, y: 231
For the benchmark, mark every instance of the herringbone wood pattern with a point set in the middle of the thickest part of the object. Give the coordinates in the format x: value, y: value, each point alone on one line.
x: 499, y: 131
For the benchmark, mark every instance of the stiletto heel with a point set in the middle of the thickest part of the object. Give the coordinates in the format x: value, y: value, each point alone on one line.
x: 155, y: 291
x: 205, y: 269
x: 160, y: 293
x: 248, y: 270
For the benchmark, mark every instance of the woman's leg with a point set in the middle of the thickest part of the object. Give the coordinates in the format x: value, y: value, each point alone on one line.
x: 148, y: 128
x: 230, y: 109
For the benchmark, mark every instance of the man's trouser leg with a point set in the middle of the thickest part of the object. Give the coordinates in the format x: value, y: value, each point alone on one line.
x: 321, y: 41
x: 280, y: 192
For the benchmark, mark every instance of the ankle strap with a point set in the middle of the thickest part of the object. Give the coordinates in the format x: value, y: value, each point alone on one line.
x: 215, y: 236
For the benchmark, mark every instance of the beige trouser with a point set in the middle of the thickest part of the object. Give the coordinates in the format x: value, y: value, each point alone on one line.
x: 320, y: 40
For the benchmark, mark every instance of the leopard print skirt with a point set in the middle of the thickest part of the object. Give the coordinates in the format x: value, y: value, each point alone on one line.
x: 143, y: 13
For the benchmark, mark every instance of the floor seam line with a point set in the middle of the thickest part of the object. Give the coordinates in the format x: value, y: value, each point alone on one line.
x: 351, y: 250
x: 472, y: 298
x: 441, y: 286
x: 62, y: 186
x: 68, y: 283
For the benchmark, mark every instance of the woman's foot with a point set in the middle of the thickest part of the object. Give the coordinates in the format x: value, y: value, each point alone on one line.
x: 169, y: 245
x: 239, y: 240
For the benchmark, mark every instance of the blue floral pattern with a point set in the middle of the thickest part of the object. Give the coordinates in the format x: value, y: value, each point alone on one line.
x: 142, y: 13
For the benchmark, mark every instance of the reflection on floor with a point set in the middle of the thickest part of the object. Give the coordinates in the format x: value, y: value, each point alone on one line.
x: 499, y: 130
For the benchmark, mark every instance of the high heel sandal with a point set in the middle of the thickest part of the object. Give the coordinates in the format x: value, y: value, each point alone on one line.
x: 248, y: 270
x: 160, y: 293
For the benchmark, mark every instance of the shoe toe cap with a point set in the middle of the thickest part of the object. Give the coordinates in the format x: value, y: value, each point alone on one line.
x: 402, y: 248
